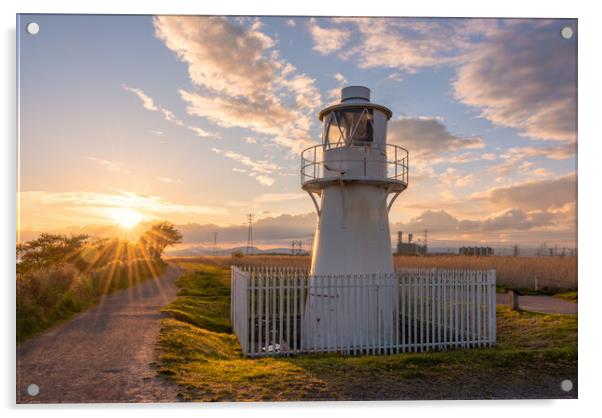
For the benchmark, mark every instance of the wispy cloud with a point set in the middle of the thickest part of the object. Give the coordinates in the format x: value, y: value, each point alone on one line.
x: 327, y: 40
x: 201, y: 133
x: 279, y: 197
x: 406, y: 44
x: 169, y: 180
x: 147, y: 102
x: 261, y: 170
x: 109, y: 165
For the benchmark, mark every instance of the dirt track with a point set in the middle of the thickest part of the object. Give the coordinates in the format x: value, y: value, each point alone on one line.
x: 103, y: 354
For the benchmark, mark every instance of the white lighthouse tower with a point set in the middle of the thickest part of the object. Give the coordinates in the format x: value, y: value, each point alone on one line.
x: 353, y: 178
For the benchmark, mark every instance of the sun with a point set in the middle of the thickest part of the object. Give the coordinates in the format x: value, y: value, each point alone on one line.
x: 126, y: 218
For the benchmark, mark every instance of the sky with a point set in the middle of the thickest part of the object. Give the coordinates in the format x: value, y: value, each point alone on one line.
x: 201, y: 120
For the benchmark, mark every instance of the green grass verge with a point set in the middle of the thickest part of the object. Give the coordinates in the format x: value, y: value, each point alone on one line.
x: 570, y: 296
x: 535, y: 352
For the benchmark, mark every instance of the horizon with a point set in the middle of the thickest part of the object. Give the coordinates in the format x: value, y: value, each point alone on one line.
x: 205, y: 137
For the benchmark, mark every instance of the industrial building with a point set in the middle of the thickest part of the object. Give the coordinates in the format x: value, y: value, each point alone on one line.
x: 409, y: 248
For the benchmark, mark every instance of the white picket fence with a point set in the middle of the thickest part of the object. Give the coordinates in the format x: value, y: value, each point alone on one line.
x: 283, y: 311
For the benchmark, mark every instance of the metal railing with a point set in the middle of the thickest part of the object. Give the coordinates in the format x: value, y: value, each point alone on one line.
x: 396, y: 161
x: 284, y: 311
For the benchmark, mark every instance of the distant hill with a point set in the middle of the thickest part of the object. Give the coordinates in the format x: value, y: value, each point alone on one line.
x: 208, y: 250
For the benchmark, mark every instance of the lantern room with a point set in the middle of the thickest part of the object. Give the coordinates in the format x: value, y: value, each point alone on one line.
x: 355, y: 120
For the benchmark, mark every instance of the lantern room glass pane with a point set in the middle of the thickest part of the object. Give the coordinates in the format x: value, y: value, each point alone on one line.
x: 350, y: 126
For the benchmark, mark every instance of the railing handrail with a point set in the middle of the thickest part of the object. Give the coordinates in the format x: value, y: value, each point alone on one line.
x: 312, y: 167
x: 304, y: 273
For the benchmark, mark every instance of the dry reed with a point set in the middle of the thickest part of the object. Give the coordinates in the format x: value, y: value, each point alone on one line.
x: 514, y: 272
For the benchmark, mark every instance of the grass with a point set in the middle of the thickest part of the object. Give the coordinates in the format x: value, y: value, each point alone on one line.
x: 52, y: 295
x: 196, y: 350
x: 569, y: 296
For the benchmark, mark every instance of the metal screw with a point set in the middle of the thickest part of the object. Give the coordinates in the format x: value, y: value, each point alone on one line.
x: 566, y: 385
x: 33, y: 390
x: 566, y: 32
x: 32, y: 28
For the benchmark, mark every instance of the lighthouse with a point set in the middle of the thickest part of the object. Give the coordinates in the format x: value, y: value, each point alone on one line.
x: 353, y: 178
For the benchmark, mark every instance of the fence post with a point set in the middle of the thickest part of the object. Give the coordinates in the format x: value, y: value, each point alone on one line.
x: 491, y: 280
x: 513, y: 299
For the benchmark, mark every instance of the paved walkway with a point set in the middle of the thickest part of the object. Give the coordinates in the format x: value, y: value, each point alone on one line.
x: 103, y: 354
x: 541, y: 303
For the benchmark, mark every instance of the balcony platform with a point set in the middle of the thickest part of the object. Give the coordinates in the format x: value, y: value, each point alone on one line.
x: 316, y: 185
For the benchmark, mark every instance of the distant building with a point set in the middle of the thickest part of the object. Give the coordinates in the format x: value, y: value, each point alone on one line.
x: 409, y: 248
x: 475, y: 251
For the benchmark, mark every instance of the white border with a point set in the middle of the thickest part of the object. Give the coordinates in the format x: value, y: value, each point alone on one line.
x: 590, y: 156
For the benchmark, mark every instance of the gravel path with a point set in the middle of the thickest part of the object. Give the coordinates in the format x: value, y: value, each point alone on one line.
x: 541, y: 303
x: 103, y: 354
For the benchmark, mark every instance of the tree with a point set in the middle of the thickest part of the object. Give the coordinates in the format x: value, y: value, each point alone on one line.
x: 49, y: 250
x: 158, y: 237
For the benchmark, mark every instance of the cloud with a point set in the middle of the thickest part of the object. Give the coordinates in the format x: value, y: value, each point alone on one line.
x: 465, y: 180
x: 514, y: 160
x: 560, y: 152
x: 264, y: 180
x: 147, y: 102
x: 442, y: 223
x: 281, y: 228
x: 168, y: 115
x: 519, y: 73
x: 214, y: 50
x: 201, y: 133
x: 327, y: 40
x: 279, y: 197
x: 259, y: 169
x: 82, y: 207
x: 291, y: 23
x: 533, y: 195
x: 241, y: 80
x: 110, y: 166
x: 171, y: 117
x: 169, y: 180
x: 273, y: 119
x: 426, y: 137
x: 524, y: 77
x: 406, y: 44
x: 340, y: 78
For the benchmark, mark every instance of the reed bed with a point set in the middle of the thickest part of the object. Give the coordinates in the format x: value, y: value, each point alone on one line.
x: 552, y: 273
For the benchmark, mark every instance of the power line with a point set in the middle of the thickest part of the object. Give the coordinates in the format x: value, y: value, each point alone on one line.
x: 249, y: 234
x: 215, y: 243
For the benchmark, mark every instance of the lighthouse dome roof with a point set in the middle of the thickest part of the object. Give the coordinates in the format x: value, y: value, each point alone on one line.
x: 355, y: 97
